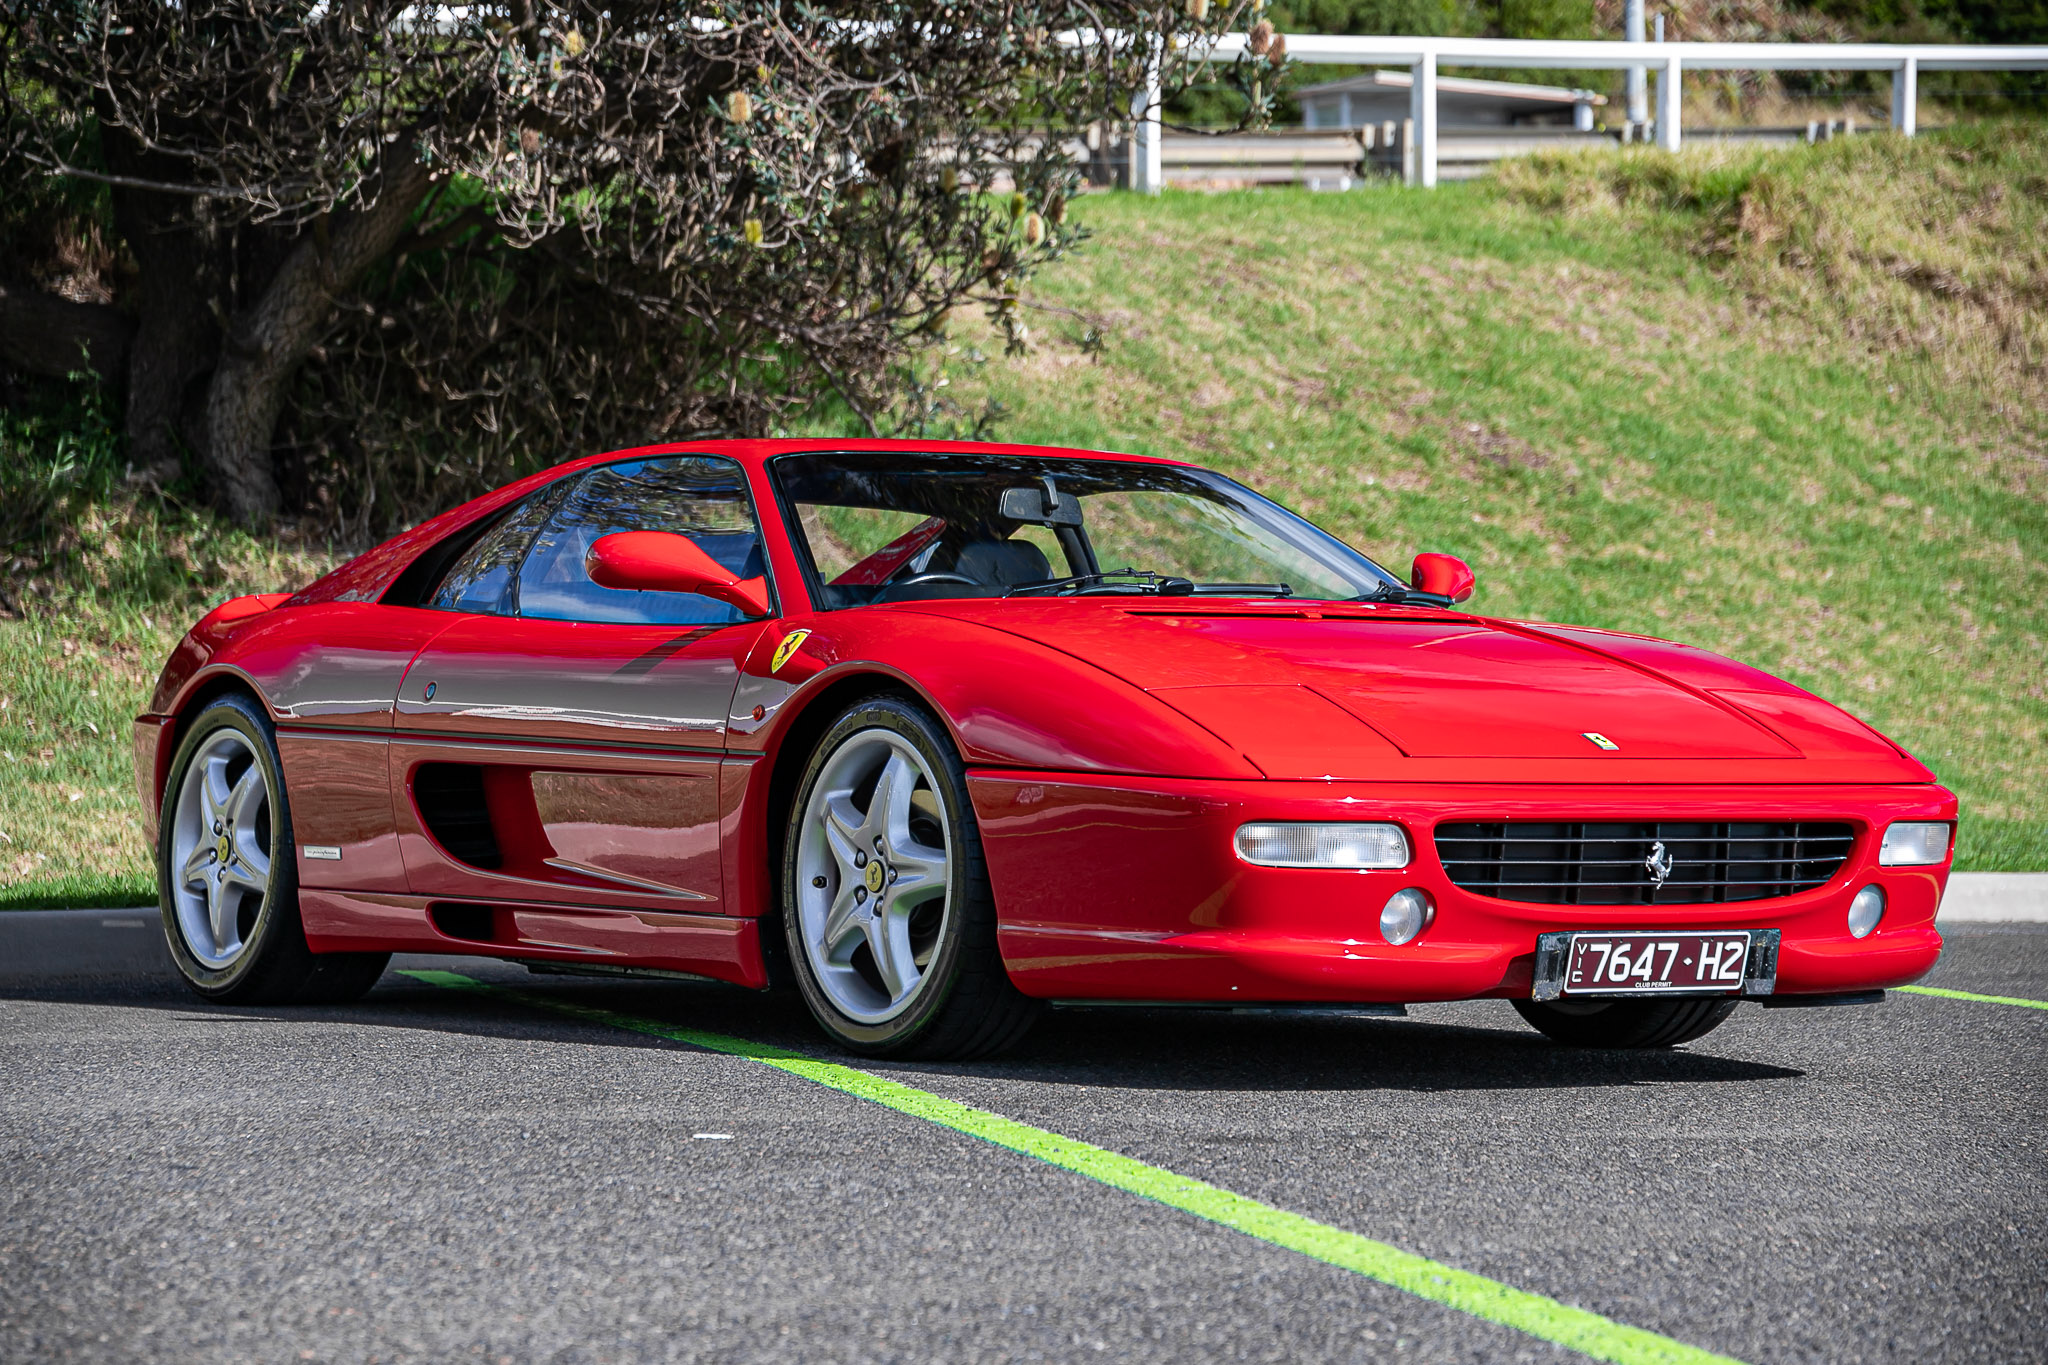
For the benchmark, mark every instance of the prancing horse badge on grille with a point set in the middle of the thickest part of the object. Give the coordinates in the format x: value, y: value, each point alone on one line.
x: 1658, y: 864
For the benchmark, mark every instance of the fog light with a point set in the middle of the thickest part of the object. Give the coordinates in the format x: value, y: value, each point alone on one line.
x: 1345, y: 844
x: 1408, y: 913
x: 1865, y: 911
x: 1913, y: 845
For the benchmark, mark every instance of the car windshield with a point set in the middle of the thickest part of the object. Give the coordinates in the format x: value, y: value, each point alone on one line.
x: 894, y: 526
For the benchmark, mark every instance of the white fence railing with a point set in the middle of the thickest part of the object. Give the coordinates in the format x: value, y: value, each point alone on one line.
x: 1668, y: 61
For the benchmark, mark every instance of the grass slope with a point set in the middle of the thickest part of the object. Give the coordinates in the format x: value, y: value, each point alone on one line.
x: 123, y: 577
x: 1787, y: 406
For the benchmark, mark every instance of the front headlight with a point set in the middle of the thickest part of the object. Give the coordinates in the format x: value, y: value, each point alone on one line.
x: 1316, y: 845
x: 1913, y: 845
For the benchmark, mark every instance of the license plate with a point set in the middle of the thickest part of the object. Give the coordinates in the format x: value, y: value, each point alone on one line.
x: 1618, y: 964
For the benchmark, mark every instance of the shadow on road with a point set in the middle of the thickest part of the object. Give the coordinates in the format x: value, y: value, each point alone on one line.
x: 1136, y: 1049
x: 1173, y: 1050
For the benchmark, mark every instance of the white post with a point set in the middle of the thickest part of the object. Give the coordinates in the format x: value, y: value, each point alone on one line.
x: 1668, y: 103
x: 1582, y: 116
x: 1145, y: 149
x: 1906, y: 96
x: 1638, y: 79
x: 1422, y: 112
x: 1344, y: 119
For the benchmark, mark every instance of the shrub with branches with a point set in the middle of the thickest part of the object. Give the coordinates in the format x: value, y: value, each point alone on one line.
x: 377, y: 253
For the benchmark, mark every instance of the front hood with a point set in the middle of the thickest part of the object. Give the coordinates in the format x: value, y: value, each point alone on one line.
x: 1354, y: 690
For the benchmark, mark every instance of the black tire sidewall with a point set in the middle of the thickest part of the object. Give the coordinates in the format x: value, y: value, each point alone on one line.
x: 277, y: 940
x: 1630, y: 1024
x: 966, y: 890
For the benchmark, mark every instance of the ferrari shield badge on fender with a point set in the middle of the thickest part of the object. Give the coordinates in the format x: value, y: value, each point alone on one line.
x: 1599, y: 740
x: 791, y: 643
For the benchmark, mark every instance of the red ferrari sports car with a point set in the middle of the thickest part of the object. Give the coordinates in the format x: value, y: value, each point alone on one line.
x: 944, y: 732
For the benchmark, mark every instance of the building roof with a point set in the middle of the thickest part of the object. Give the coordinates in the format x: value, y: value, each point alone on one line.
x: 1507, y: 92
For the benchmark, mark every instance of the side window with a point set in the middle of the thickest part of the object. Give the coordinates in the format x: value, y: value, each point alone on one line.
x: 481, y: 580
x: 697, y: 496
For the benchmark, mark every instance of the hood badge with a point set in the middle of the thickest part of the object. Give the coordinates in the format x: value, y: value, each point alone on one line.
x: 791, y: 643
x: 1600, y: 741
x: 1658, y: 864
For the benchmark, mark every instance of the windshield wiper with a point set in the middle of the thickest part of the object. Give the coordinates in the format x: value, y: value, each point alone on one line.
x: 1139, y: 580
x: 1395, y: 593
x: 1145, y: 580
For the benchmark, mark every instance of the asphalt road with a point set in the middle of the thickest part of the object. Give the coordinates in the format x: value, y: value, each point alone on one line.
x: 444, y: 1175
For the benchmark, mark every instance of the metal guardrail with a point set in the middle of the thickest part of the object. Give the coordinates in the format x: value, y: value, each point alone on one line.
x: 1668, y: 61
x: 1336, y: 159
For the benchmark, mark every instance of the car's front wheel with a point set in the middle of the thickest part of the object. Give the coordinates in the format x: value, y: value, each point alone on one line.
x: 227, y: 874
x: 1627, y: 1023
x: 886, y: 903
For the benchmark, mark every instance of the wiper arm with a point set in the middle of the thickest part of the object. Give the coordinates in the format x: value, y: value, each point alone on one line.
x: 1395, y: 593
x: 1145, y: 580
x: 1141, y: 580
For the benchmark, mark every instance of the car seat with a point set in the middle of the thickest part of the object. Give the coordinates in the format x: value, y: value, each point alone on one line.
x: 1002, y: 563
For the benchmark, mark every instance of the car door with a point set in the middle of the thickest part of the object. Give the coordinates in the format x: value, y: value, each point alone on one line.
x: 561, y: 742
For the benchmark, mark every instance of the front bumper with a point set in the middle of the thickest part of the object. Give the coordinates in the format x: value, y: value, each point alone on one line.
x: 1116, y: 888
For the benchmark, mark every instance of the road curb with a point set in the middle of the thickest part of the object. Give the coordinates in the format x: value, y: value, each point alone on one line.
x: 1995, y: 898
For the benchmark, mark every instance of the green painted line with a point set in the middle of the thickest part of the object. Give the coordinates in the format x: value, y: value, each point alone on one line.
x: 1980, y: 999
x: 1575, y: 1328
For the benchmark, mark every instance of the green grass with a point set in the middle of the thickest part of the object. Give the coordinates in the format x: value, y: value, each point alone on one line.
x: 1787, y: 406
x: 81, y: 891
x: 100, y: 583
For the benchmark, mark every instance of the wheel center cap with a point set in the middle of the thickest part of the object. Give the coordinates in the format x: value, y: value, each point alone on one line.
x: 876, y: 876
x: 222, y: 847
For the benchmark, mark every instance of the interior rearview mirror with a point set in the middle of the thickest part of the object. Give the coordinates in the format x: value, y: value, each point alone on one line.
x: 660, y: 561
x: 1045, y: 506
x: 1444, y: 575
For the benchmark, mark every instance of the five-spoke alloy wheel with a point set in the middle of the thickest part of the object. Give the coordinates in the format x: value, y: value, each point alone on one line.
x: 873, y: 875
x: 226, y: 872
x: 886, y: 905
x: 220, y: 848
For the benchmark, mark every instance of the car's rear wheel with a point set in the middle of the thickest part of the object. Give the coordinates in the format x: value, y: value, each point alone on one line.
x: 1627, y: 1023
x: 885, y: 897
x: 227, y: 874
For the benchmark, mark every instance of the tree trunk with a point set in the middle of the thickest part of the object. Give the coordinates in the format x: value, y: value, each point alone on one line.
x: 45, y: 334
x: 267, y: 341
x: 177, y: 248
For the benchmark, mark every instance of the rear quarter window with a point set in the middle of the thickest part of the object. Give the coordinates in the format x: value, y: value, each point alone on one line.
x: 482, y: 577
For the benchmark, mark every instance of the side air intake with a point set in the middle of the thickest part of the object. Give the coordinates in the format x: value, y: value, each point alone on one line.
x: 451, y: 802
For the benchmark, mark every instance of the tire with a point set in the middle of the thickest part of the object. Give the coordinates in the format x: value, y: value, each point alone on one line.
x: 863, y: 918
x: 1627, y: 1023
x: 233, y: 922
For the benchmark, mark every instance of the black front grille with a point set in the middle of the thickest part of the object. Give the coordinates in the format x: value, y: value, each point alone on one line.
x: 1561, y: 863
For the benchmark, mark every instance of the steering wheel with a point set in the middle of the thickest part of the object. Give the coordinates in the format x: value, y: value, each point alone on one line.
x: 915, y: 579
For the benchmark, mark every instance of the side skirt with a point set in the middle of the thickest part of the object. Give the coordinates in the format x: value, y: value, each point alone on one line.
x: 722, y: 947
